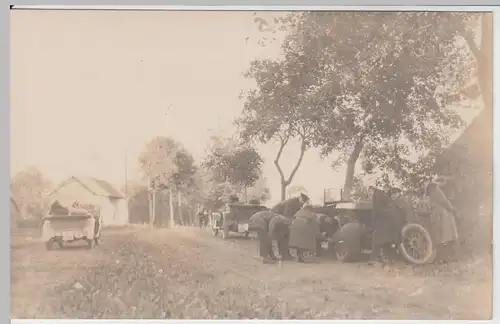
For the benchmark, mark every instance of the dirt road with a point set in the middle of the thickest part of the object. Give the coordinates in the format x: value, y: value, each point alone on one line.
x: 187, y: 273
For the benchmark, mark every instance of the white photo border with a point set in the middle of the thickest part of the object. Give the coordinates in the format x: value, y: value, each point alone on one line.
x: 393, y: 5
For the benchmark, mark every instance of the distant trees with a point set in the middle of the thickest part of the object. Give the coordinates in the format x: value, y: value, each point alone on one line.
x: 233, y: 166
x: 167, y: 165
x: 30, y: 189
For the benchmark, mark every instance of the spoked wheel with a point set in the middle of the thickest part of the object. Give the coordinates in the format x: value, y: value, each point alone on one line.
x: 416, y: 244
x: 345, y: 256
x: 342, y: 256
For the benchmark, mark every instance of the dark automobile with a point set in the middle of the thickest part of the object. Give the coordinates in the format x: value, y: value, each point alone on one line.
x: 355, y: 231
x: 234, y: 218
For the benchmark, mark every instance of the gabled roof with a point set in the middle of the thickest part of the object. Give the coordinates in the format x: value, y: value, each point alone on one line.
x: 96, y: 186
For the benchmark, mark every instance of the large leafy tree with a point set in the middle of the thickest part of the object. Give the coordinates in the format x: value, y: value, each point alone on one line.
x: 374, y: 85
x: 275, y: 110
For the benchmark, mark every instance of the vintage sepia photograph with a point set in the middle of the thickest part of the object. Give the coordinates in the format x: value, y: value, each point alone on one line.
x: 183, y: 164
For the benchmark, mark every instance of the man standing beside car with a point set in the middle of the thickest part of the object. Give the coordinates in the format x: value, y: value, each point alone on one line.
x: 259, y: 223
x: 386, y: 228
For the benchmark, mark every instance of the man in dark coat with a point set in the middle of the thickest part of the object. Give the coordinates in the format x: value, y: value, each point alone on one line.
x: 259, y: 223
x: 402, y: 204
x: 201, y: 218
x: 290, y: 207
x: 279, y: 231
x: 386, y: 227
x: 304, y: 232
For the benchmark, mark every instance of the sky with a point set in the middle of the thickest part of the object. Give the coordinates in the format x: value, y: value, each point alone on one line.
x: 90, y: 88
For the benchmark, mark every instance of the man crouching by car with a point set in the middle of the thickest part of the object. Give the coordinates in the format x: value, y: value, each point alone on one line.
x: 270, y: 226
x: 259, y: 223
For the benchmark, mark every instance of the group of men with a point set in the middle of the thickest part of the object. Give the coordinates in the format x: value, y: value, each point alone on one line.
x: 294, y: 224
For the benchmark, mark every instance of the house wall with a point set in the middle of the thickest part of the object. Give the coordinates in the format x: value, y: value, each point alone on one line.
x: 74, y: 191
x: 121, y: 211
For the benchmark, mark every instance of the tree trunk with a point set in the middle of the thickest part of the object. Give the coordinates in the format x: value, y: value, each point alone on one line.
x: 283, y: 190
x: 171, y: 206
x: 179, y: 205
x: 349, y: 175
x: 245, y: 193
x: 286, y: 182
x: 153, y: 208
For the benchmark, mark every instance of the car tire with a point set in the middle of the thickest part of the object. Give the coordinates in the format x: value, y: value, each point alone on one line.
x: 406, y: 246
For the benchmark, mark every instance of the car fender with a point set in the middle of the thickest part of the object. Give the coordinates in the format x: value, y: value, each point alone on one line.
x: 348, y: 236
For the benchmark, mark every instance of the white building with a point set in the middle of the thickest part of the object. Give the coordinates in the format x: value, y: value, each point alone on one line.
x: 112, y: 203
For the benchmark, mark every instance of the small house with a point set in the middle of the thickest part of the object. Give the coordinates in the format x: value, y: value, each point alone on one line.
x: 111, y: 202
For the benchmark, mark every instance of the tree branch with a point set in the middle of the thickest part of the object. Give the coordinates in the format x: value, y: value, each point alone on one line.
x: 284, y: 141
x: 303, y: 147
x: 472, y: 45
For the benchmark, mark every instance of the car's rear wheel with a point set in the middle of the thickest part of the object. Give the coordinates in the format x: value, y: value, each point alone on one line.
x: 416, y: 244
x: 345, y: 256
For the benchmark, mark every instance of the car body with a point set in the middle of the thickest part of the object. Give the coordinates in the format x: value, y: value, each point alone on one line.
x: 76, y: 225
x: 234, y: 217
x: 355, y: 232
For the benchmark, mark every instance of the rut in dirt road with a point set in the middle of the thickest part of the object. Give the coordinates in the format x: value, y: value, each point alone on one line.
x: 186, y: 273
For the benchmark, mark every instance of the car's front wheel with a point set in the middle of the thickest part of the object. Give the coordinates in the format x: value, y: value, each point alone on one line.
x: 416, y: 245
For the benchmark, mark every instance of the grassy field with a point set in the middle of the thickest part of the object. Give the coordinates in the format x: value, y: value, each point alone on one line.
x: 187, y: 273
